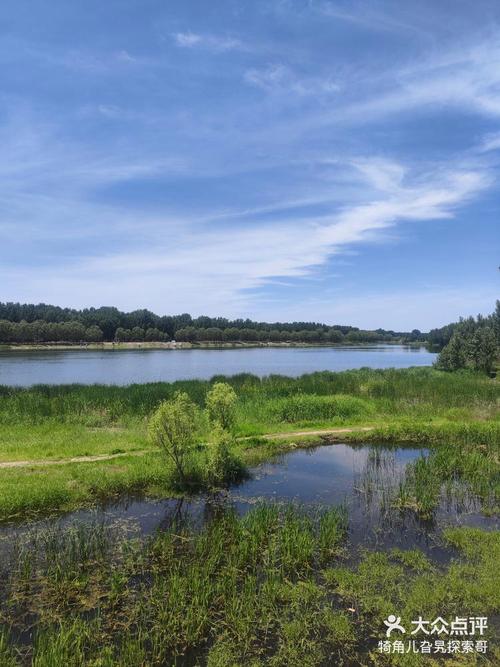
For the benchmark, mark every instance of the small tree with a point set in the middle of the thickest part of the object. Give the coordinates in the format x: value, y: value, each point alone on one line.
x: 222, y: 465
x: 221, y: 404
x: 122, y: 335
x: 174, y: 428
x: 452, y: 357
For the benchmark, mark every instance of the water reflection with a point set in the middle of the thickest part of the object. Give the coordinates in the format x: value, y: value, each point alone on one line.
x: 364, y: 479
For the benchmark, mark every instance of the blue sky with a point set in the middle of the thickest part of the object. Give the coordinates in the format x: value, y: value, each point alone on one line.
x: 287, y: 159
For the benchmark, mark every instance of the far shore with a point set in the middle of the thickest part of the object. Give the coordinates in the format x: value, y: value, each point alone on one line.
x: 172, y: 345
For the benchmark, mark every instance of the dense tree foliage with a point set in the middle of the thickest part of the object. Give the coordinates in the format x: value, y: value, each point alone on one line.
x: 472, y: 343
x: 29, y: 323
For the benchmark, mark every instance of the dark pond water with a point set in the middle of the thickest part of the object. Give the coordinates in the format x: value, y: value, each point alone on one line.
x: 25, y: 368
x: 363, y: 479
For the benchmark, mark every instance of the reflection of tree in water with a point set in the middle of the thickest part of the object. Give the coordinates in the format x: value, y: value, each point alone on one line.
x: 182, y: 513
x: 177, y: 515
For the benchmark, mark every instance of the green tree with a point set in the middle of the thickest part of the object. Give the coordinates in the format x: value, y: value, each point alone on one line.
x: 221, y: 405
x: 452, y: 357
x: 137, y: 334
x: 93, y: 334
x: 122, y: 335
x: 153, y: 334
x: 174, y: 428
x: 482, y: 349
x: 7, y: 331
x: 496, y: 323
x: 186, y: 334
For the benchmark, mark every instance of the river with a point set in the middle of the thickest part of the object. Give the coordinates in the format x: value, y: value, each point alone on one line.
x: 28, y: 367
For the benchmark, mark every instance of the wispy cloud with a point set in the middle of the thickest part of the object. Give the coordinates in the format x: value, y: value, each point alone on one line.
x: 468, y: 79
x: 280, y: 78
x: 220, y: 266
x: 491, y: 142
x: 190, y: 40
x: 370, y: 17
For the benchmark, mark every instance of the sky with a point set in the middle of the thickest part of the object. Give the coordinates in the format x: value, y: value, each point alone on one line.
x: 282, y: 160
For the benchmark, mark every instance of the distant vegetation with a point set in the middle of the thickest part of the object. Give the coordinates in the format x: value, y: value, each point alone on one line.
x: 469, y: 343
x: 28, y: 323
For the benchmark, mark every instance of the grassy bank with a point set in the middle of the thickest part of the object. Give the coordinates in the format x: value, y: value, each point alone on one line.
x: 272, y: 588
x: 50, y: 422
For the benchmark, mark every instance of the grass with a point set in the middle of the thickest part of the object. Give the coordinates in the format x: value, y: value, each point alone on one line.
x: 272, y: 588
x: 54, y: 422
x: 463, y: 455
x: 421, y: 393
x: 55, y: 440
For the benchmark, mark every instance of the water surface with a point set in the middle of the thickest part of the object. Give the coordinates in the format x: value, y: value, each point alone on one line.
x: 122, y: 367
x: 361, y: 478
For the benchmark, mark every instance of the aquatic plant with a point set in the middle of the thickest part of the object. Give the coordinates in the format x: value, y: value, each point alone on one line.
x: 270, y: 588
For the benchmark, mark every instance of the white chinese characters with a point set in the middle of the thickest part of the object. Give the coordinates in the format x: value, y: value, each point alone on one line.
x: 442, y: 635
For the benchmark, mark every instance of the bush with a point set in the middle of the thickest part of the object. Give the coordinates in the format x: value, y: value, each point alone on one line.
x: 174, y: 428
x: 223, y: 466
x: 221, y: 403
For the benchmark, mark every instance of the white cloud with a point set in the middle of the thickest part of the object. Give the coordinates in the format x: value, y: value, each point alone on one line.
x: 467, y: 79
x: 190, y: 40
x: 491, y: 142
x: 187, y: 39
x: 212, y: 269
x: 280, y: 78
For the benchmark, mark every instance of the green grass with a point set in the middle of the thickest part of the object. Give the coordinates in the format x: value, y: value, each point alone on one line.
x: 463, y: 460
x: 416, y: 392
x: 45, y: 489
x: 53, y: 440
x: 53, y: 422
x: 269, y: 589
x: 303, y: 408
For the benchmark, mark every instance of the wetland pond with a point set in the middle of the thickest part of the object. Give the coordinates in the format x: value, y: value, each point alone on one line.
x: 361, y: 479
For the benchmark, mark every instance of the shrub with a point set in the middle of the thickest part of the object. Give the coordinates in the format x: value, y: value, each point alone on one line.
x: 221, y: 403
x: 174, y: 428
x: 223, y: 466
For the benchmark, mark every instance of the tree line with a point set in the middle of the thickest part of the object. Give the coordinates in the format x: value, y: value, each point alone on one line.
x: 470, y: 343
x: 42, y: 323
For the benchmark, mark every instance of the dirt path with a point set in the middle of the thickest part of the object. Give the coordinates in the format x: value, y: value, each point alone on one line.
x: 108, y: 457
x: 74, y: 459
x: 328, y: 431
